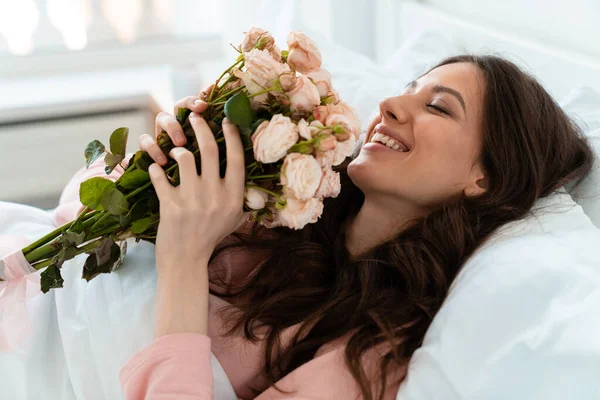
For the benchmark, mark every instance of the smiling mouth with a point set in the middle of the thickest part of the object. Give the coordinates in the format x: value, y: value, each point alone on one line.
x: 389, y: 142
x: 385, y: 136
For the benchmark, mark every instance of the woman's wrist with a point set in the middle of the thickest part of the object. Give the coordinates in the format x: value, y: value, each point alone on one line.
x: 182, y: 300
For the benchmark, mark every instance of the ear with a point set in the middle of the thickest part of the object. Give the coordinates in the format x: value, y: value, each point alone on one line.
x: 478, y: 184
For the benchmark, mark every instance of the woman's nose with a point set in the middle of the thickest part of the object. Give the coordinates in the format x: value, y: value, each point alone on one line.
x: 392, y: 108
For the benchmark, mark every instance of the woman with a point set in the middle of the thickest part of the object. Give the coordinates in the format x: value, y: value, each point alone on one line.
x: 337, y: 309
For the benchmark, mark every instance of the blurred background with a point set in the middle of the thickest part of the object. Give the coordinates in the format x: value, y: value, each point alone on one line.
x: 72, y: 71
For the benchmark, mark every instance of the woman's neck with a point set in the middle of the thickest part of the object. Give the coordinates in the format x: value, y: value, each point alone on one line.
x: 375, y: 223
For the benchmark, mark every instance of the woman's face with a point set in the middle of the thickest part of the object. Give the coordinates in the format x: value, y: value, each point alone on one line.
x: 438, y: 119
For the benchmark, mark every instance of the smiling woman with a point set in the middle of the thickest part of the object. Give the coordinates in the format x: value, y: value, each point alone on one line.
x: 439, y: 120
x: 367, y: 279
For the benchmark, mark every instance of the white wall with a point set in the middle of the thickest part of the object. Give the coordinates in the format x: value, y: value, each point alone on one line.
x: 549, y: 21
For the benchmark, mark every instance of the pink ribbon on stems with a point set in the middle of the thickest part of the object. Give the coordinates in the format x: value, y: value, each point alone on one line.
x: 21, y: 284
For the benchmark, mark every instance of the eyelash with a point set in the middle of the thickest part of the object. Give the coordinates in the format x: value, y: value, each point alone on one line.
x: 439, y: 109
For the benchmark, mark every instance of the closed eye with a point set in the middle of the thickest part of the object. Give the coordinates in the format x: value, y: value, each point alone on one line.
x: 438, y: 109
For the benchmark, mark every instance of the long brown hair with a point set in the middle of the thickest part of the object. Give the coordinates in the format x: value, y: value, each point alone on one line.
x: 390, y: 295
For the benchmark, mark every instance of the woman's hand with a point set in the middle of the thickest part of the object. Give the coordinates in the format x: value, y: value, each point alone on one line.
x: 199, y: 213
x: 168, y: 123
x: 194, y: 217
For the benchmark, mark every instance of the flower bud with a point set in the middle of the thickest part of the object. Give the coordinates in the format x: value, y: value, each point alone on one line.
x: 287, y: 80
x: 257, y: 38
x: 255, y: 198
x: 326, y: 142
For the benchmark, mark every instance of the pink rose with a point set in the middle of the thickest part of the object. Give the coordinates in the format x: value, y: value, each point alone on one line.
x: 275, y: 53
x: 330, y: 185
x: 299, y: 213
x: 262, y: 68
x: 326, y: 158
x: 288, y: 80
x: 304, y: 130
x: 322, y: 80
x: 344, y: 149
x: 252, y: 87
x: 320, y: 113
x: 257, y: 36
x: 272, y: 139
x: 339, y: 114
x: 300, y: 175
x: 304, y: 96
x: 327, y: 142
x: 304, y: 55
x: 256, y: 198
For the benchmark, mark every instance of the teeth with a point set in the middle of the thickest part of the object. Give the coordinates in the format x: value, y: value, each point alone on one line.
x: 389, y: 142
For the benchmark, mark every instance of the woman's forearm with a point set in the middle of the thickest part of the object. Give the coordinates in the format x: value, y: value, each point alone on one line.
x: 182, y: 299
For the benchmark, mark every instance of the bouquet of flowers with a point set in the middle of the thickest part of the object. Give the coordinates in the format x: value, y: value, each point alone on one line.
x: 294, y: 129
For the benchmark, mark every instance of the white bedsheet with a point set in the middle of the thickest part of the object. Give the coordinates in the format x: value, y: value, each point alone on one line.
x: 85, y: 332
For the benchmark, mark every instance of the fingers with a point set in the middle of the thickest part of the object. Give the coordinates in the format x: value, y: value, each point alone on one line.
x: 159, y: 181
x: 205, y: 92
x: 148, y: 144
x: 235, y: 174
x: 194, y: 103
x: 187, y: 166
x: 209, y: 151
x: 168, y: 123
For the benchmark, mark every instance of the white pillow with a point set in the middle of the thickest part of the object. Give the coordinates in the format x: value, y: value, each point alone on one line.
x: 583, y: 104
x: 521, y: 320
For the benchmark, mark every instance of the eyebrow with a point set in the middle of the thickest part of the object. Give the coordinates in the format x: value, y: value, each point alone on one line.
x: 443, y: 89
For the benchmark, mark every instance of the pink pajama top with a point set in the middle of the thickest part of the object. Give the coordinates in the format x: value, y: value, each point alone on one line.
x: 177, y: 366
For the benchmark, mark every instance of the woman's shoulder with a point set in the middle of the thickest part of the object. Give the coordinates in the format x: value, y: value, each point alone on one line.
x: 328, y: 376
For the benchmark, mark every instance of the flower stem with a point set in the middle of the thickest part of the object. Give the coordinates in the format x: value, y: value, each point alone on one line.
x: 262, y: 92
x: 222, y: 97
x: 222, y: 75
x: 54, y: 234
x: 263, y: 176
x: 85, y: 248
x: 264, y: 190
x: 46, y: 250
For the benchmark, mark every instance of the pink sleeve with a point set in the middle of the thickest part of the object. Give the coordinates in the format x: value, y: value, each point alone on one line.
x: 175, y: 366
x: 69, y: 205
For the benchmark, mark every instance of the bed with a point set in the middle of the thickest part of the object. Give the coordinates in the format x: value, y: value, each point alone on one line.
x: 532, y: 337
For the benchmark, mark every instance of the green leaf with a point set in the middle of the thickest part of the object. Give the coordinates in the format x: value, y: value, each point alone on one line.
x: 104, y: 259
x: 67, y: 253
x: 140, y: 226
x: 256, y: 124
x: 118, y: 141
x: 77, y: 226
x: 138, y: 210
x: 93, y: 151
x: 134, y: 179
x: 92, y: 190
x: 104, y: 221
x: 114, y: 202
x: 153, y: 203
x: 238, y: 111
x: 142, y: 160
x: 73, y: 238
x: 124, y: 220
x: 112, y: 160
x: 51, y: 279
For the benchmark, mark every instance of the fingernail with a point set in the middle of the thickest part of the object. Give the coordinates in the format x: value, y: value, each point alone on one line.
x: 226, y: 120
x: 198, y: 102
